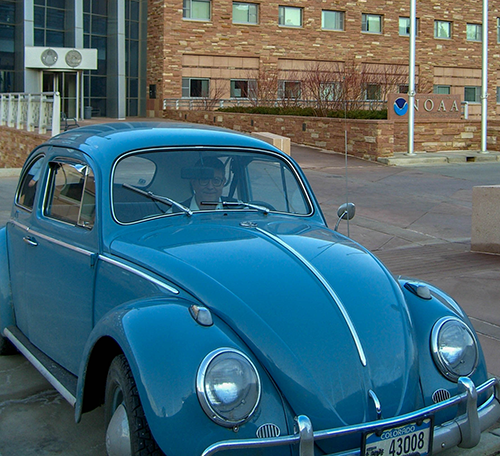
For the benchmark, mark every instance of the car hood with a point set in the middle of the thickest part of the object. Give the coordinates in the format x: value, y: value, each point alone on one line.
x: 298, y: 295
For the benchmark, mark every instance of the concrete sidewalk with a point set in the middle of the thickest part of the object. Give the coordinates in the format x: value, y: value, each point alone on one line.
x: 416, y: 219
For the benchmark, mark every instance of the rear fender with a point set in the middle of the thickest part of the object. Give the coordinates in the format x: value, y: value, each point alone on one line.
x: 6, y: 309
x: 164, y: 346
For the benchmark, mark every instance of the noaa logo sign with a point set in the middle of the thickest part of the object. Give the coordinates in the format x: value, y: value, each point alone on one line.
x: 400, y: 106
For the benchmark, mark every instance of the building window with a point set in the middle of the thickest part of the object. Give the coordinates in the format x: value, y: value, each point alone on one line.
x: 371, y: 23
x: 442, y: 89
x: 373, y: 92
x: 49, y: 23
x: 198, y: 10
x: 195, y: 88
x: 243, y: 88
x: 474, y: 32
x: 289, y: 89
x: 498, y: 94
x: 498, y: 30
x: 442, y: 29
x: 404, y: 26
x: 7, y: 45
x: 332, y: 20
x: 245, y: 13
x: 330, y: 91
x: 472, y: 94
x: 403, y: 88
x: 95, y: 35
x: 290, y: 16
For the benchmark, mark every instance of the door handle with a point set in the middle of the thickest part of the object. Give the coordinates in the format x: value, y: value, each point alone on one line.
x: 30, y: 240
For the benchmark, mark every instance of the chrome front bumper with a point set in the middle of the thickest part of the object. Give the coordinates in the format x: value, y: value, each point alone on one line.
x: 464, y: 431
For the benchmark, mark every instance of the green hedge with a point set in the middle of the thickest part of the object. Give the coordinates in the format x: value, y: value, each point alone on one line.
x: 308, y: 112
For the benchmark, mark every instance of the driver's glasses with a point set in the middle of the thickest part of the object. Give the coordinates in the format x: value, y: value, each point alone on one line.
x: 216, y: 182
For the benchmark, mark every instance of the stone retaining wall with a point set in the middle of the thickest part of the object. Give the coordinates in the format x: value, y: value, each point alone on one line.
x: 16, y: 145
x: 368, y: 139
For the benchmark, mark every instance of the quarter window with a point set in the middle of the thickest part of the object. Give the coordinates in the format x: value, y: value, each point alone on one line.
x: 290, y: 16
x: 332, y: 20
x: 29, y: 184
x: 474, y: 32
x: 442, y: 29
x: 371, y: 23
x: 195, y: 88
x: 245, y: 13
x: 196, y: 9
x: 71, y: 196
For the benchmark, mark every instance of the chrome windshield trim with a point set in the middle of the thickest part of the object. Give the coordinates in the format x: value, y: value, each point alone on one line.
x: 328, y: 288
x: 139, y: 273
x: 52, y: 240
x: 487, y: 414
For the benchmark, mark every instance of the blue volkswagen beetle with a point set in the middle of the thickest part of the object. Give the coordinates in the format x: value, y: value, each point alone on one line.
x: 185, y: 278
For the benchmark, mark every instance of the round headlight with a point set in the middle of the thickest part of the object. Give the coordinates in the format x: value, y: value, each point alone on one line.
x: 454, y: 348
x: 228, y: 386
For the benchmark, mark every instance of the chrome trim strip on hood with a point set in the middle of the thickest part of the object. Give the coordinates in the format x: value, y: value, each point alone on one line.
x: 328, y: 288
x: 139, y: 273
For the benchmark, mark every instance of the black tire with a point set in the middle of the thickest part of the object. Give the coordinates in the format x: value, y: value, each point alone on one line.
x: 122, y: 390
x: 6, y: 348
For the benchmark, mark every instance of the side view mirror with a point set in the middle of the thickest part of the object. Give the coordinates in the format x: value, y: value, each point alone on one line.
x: 345, y: 212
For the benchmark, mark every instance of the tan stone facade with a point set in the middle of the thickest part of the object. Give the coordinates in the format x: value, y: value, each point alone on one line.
x: 221, y: 50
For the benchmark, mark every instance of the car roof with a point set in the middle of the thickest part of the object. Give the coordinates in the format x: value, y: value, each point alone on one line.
x: 109, y: 140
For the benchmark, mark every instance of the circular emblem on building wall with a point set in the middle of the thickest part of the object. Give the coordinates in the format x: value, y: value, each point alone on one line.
x: 400, y: 106
x: 73, y: 58
x: 49, y: 57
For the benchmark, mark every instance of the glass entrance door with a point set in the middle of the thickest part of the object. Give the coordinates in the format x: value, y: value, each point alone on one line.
x: 66, y: 85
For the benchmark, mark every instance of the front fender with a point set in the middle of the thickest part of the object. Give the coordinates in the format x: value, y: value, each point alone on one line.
x: 6, y: 310
x: 164, y: 346
x: 425, y: 312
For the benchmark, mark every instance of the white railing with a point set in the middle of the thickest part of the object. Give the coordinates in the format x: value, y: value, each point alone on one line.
x: 209, y: 104
x: 31, y: 111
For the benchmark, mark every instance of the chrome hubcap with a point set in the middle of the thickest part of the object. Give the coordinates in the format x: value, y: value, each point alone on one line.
x: 118, y: 434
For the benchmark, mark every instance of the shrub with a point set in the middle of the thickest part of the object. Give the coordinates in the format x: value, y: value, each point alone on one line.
x: 309, y: 112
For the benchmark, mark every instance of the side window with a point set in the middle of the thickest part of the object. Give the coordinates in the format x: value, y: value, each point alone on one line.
x: 71, y: 196
x: 29, y: 184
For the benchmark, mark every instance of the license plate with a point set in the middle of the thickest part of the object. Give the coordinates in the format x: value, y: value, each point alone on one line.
x: 412, y: 439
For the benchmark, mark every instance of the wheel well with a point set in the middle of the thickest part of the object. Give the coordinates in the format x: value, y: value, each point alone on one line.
x: 104, y: 351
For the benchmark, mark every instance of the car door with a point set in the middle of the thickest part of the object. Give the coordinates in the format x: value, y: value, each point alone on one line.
x: 61, y: 248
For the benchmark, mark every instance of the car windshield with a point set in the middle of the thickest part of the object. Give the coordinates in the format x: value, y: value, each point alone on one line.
x: 152, y: 184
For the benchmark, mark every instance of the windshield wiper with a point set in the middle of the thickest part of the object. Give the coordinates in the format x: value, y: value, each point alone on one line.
x: 161, y: 199
x: 249, y: 205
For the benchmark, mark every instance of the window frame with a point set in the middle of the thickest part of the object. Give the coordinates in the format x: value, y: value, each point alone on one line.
x: 282, y: 16
x: 437, y: 23
x: 248, y: 21
x: 366, y: 20
x: 190, y: 88
x: 477, y: 94
x: 440, y: 89
x: 478, y: 32
x: 371, y: 88
x: 187, y: 10
x: 289, y: 93
x: 407, y: 27
x: 340, y: 18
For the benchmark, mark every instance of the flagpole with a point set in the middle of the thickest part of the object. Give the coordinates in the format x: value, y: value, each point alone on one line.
x: 411, y: 76
x: 484, y: 81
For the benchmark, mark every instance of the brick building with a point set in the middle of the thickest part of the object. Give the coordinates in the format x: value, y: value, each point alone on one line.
x: 149, y: 51
x: 224, y: 49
